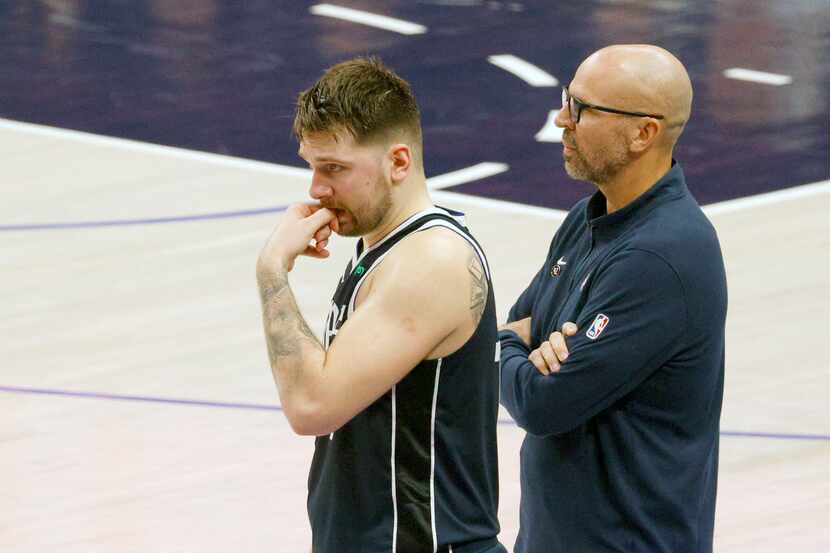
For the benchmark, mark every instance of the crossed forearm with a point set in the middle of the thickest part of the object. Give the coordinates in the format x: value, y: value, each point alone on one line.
x: 293, y: 349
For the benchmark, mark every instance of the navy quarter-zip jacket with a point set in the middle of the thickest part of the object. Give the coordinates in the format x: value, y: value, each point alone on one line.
x: 621, y: 452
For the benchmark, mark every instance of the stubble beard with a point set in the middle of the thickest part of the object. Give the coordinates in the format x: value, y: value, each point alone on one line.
x: 600, y: 170
x: 369, y: 217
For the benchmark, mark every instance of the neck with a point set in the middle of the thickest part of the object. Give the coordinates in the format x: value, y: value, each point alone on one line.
x: 407, y: 200
x: 632, y: 181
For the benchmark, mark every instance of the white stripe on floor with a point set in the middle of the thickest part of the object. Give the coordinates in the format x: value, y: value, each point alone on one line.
x: 368, y: 18
x: 762, y: 77
x: 526, y: 71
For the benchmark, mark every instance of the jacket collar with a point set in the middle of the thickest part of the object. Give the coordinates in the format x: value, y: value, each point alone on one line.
x: 608, y: 226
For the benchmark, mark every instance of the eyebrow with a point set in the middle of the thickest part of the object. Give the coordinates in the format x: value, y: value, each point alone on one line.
x: 323, y: 159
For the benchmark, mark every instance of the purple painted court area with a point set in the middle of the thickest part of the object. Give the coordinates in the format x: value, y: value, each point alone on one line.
x: 263, y: 407
x: 222, y: 77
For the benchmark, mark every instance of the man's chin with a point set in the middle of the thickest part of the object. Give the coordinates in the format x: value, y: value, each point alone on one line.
x: 346, y: 228
x: 573, y: 172
x: 345, y: 223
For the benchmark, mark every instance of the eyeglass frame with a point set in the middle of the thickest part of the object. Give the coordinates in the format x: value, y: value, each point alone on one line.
x: 580, y: 105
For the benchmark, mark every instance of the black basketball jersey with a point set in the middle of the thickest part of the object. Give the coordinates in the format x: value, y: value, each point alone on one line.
x: 417, y: 470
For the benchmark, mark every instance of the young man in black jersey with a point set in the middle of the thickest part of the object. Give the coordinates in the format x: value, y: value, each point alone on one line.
x: 403, y: 393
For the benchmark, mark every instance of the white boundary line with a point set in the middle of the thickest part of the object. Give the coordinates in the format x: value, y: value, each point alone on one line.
x: 475, y: 172
x: 768, y: 198
x: 498, y: 205
x: 145, y: 147
x: 741, y: 74
x: 368, y: 18
x: 729, y: 206
x: 549, y: 131
x: 526, y: 71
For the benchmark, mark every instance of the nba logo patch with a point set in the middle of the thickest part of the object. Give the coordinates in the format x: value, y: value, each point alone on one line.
x: 597, y: 326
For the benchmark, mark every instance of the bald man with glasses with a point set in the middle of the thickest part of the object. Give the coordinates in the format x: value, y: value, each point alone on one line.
x: 612, y: 359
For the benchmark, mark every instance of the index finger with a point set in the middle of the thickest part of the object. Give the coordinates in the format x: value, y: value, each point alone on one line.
x: 320, y: 217
x: 334, y: 224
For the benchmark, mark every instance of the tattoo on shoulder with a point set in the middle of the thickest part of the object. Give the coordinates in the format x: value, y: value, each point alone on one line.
x: 478, y: 287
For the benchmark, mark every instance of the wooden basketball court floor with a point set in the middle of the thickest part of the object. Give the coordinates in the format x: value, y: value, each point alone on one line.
x: 139, y: 413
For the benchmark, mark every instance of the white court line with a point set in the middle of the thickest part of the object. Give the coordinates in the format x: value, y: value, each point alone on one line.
x: 729, y: 206
x: 498, y: 205
x: 550, y: 132
x: 145, y: 147
x: 367, y: 18
x: 526, y: 71
x: 475, y: 172
x: 769, y: 198
x: 751, y: 75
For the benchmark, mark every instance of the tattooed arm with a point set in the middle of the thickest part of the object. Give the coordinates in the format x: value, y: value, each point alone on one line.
x: 295, y: 355
x: 419, y: 306
x: 293, y: 351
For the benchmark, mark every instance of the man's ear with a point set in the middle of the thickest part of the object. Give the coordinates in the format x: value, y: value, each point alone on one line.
x: 645, y: 134
x: 400, y: 158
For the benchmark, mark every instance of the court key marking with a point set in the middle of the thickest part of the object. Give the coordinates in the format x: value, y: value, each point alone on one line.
x: 369, y: 19
x: 526, y: 71
x: 742, y: 74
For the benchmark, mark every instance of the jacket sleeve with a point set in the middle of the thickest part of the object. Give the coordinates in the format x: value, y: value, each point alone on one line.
x: 642, y: 298
x: 523, y: 306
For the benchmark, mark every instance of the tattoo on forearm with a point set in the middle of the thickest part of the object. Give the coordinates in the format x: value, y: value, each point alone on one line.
x: 478, y: 287
x: 285, y: 329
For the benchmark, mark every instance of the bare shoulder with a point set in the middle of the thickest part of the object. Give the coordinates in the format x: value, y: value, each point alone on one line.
x: 438, y: 267
x: 437, y: 251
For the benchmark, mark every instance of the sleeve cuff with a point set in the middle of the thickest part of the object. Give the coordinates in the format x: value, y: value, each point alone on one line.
x: 510, y: 339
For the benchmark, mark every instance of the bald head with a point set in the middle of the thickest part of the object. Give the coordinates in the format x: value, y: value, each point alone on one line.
x: 639, y: 77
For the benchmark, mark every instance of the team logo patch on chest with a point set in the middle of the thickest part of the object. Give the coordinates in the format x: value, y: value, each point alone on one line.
x: 600, y: 323
x: 557, y: 268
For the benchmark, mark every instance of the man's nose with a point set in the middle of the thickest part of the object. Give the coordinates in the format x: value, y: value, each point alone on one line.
x: 319, y: 189
x: 563, y: 118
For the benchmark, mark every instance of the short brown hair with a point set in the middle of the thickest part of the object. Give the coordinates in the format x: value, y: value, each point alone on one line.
x: 363, y: 97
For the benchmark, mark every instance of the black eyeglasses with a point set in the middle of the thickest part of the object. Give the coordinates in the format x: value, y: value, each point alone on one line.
x: 576, y: 106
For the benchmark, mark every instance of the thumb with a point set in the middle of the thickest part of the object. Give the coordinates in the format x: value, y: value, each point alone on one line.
x: 569, y: 329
